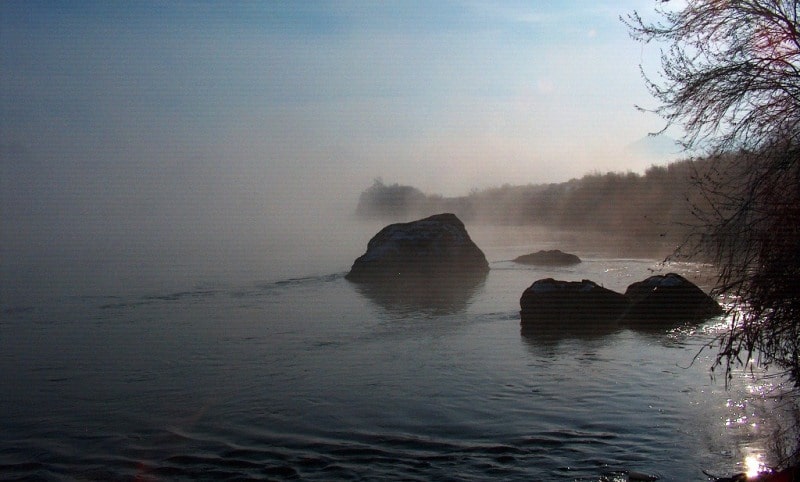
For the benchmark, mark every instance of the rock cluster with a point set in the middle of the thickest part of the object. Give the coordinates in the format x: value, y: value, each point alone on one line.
x: 434, y: 263
x: 658, y: 300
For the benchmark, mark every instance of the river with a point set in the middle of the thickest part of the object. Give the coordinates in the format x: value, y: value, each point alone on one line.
x: 304, y: 375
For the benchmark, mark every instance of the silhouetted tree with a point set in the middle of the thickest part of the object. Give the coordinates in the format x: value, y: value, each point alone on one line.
x: 731, y: 79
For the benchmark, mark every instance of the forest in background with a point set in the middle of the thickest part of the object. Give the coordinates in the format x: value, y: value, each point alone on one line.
x: 657, y: 205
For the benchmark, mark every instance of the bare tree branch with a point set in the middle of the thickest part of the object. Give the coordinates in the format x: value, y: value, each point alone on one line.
x: 730, y: 77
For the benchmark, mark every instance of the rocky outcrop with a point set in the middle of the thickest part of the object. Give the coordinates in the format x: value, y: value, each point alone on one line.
x: 570, y: 302
x: 435, y: 247
x: 553, y: 257
x: 668, y: 298
x: 657, y: 301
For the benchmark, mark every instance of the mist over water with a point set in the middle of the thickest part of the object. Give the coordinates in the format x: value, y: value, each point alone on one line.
x: 293, y: 234
x: 177, y: 196
x: 173, y: 327
x: 134, y: 236
x: 142, y: 145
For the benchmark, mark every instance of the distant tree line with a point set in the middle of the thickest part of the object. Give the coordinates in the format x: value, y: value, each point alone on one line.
x: 389, y: 201
x: 658, y: 203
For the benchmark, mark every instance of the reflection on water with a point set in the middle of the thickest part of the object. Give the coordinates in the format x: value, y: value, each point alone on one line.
x: 420, y: 295
x: 543, y: 335
x: 758, y: 414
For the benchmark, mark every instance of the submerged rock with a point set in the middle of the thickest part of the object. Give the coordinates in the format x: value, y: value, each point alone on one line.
x: 668, y: 298
x: 570, y: 302
x: 435, y: 247
x: 553, y: 257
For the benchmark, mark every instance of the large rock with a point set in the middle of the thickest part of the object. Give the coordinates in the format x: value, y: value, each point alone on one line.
x: 570, y: 303
x: 553, y: 257
x: 435, y: 247
x: 668, y: 298
x: 658, y: 301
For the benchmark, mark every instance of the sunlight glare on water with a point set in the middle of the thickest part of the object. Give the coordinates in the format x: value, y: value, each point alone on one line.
x: 753, y: 465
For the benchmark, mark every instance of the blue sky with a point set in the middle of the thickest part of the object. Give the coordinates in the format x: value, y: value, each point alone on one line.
x: 527, y: 86
x: 162, y: 113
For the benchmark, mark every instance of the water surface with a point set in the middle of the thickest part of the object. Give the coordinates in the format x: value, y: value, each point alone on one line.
x: 315, y: 378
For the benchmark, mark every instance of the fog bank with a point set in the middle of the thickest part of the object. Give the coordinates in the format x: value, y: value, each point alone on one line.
x: 78, y: 224
x: 140, y: 138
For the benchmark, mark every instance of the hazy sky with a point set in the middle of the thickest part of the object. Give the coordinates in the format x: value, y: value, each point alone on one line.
x: 136, y: 116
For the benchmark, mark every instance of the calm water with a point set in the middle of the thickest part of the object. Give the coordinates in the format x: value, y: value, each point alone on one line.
x: 315, y: 378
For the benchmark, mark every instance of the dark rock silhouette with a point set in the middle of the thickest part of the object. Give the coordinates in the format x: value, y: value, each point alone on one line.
x: 658, y: 301
x: 553, y: 257
x: 570, y: 303
x: 668, y: 298
x: 435, y: 247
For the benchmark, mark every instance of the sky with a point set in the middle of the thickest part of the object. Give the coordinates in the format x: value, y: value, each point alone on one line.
x: 171, y: 118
